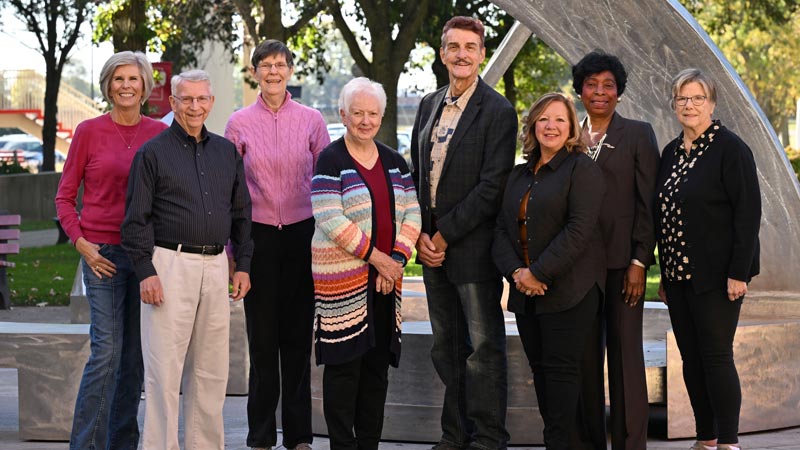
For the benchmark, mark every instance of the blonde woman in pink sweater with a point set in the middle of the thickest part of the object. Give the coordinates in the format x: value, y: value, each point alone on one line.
x: 279, y: 140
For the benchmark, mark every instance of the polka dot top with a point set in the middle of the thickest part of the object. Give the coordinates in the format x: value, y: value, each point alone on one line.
x: 672, y: 245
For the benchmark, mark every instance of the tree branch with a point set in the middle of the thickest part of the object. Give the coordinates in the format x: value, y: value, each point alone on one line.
x: 335, y: 10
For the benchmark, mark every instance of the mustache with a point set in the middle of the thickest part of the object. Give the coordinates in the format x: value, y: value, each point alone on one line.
x: 462, y: 60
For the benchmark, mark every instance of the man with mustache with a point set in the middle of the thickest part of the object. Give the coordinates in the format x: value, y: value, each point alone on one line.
x: 463, y: 147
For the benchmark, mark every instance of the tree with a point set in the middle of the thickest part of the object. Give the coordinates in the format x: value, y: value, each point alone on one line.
x: 381, y: 54
x: 760, y: 39
x: 176, y: 29
x: 537, y: 69
x: 56, y: 25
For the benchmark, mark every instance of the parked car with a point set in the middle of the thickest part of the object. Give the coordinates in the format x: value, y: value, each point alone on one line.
x: 337, y: 130
x: 31, y: 151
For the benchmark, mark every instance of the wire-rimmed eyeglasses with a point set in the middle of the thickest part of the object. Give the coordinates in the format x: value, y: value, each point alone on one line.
x: 188, y: 100
x: 697, y: 100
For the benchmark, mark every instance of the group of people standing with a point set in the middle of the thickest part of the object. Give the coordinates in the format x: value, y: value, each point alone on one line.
x: 314, y: 236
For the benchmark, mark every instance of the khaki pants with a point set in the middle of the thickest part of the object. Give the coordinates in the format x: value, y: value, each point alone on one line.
x: 191, y: 326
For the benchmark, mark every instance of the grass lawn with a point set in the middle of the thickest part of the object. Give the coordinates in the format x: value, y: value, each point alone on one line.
x: 36, y: 225
x: 42, y: 274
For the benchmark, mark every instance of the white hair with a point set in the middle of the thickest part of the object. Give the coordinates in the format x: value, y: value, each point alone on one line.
x: 191, y: 75
x: 361, y: 85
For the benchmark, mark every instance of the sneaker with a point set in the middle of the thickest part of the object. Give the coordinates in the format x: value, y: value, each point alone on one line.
x: 728, y: 447
x: 700, y: 446
x: 445, y: 446
x: 302, y: 446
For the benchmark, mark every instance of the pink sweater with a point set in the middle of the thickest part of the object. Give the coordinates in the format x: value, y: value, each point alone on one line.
x: 100, y: 158
x: 280, y: 152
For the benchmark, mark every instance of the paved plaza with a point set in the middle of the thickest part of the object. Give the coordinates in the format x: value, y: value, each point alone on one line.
x: 235, y: 406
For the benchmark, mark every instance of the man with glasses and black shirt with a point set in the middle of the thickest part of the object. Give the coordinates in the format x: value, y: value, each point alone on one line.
x: 186, y: 198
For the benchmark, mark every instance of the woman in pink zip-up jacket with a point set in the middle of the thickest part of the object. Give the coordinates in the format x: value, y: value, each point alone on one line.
x: 279, y: 140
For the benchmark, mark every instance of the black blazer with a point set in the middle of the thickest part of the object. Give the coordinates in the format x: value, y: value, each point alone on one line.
x: 479, y: 157
x: 629, y: 160
x: 565, y: 245
x: 721, y: 204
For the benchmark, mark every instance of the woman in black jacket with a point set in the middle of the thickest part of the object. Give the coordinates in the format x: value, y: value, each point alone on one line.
x: 708, y: 211
x: 548, y: 245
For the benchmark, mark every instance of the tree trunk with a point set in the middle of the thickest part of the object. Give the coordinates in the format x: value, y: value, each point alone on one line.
x: 50, y: 124
x: 511, y: 85
x: 129, y: 27
x: 440, y: 71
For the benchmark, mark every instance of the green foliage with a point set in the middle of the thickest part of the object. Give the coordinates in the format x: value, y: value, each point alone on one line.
x: 760, y: 39
x: 794, y: 158
x: 177, y: 29
x: 538, y: 69
x: 12, y: 167
x: 43, y: 274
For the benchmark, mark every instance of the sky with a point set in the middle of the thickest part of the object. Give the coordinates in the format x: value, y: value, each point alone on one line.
x: 19, y: 47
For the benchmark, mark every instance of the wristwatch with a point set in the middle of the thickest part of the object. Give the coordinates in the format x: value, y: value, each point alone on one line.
x: 399, y: 258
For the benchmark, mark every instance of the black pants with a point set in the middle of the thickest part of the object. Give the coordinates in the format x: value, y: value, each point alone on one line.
x: 280, y: 313
x: 704, y: 326
x: 354, y: 393
x: 620, y: 330
x: 554, y: 344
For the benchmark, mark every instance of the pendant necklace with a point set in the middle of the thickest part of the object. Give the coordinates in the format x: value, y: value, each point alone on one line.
x: 128, y: 144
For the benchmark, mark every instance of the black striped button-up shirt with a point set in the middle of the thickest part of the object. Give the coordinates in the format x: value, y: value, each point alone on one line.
x: 186, y: 192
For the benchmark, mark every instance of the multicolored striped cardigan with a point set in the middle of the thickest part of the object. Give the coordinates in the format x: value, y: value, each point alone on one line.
x: 342, y: 244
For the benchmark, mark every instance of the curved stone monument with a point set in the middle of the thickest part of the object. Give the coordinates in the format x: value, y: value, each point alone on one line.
x: 655, y: 39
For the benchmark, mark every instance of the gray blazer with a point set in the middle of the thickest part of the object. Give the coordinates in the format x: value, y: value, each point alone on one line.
x: 479, y: 157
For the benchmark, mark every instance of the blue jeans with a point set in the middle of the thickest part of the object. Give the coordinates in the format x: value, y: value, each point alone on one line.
x: 108, y: 397
x: 469, y: 354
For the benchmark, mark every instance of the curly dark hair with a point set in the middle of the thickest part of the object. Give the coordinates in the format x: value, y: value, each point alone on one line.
x: 596, y: 62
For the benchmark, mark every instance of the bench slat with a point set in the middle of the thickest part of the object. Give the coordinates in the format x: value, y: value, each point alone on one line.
x: 9, y: 234
x: 15, y: 219
x: 9, y: 249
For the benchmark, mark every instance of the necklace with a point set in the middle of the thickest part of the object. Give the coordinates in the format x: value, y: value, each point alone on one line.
x: 594, y: 150
x: 127, y: 144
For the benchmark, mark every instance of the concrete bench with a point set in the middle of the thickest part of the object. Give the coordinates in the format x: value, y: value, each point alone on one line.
x: 49, y: 359
x: 7, y: 233
x: 239, y: 365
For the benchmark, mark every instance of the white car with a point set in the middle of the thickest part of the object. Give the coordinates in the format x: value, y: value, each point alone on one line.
x: 31, y: 150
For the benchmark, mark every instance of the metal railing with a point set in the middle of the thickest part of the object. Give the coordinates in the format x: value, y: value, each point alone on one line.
x: 24, y: 90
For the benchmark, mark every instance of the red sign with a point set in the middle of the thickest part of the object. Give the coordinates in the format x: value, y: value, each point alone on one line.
x: 159, y: 99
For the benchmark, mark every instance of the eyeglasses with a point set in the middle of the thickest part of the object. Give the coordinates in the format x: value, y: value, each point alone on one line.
x: 281, y: 66
x: 188, y: 100
x: 697, y: 100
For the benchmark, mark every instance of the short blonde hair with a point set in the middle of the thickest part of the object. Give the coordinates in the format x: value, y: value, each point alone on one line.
x: 529, y: 141
x: 126, y: 58
x: 693, y: 75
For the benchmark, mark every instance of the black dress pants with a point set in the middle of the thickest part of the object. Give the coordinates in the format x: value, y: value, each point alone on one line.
x: 620, y: 331
x: 554, y: 344
x: 280, y: 314
x: 354, y: 393
x: 705, y: 325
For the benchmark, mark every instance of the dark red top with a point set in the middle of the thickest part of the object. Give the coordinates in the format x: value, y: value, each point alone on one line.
x: 375, y: 179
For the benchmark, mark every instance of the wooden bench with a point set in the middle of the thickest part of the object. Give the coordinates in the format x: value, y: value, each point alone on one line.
x: 49, y: 359
x: 7, y: 233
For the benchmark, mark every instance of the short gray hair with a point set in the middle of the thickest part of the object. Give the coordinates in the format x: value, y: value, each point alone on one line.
x: 191, y: 75
x: 126, y: 58
x: 361, y: 85
x: 693, y: 75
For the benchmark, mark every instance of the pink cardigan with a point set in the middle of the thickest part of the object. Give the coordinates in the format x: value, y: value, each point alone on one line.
x: 280, y: 151
x: 100, y: 158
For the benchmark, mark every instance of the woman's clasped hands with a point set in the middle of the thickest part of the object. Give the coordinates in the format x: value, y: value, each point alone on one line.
x: 527, y: 283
